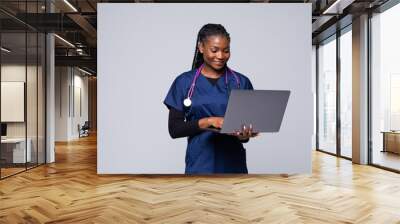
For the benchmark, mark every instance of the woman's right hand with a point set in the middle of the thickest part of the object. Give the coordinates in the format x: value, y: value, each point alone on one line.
x: 216, y: 122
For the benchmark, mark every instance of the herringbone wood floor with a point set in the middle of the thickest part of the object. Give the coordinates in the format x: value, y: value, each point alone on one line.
x: 70, y: 191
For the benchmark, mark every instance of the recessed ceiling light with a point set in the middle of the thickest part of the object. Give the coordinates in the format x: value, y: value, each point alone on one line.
x: 84, y: 71
x: 70, y: 5
x: 64, y: 40
x: 337, y: 7
x: 5, y: 50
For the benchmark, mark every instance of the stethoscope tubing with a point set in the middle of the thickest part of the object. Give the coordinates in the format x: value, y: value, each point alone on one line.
x: 193, y: 85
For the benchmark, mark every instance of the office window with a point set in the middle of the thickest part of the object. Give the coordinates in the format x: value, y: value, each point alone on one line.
x: 327, y: 96
x: 22, y: 92
x: 13, y: 86
x: 346, y: 93
x: 31, y: 101
x: 385, y: 88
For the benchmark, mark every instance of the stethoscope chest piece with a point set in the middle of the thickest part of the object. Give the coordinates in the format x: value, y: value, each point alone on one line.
x: 187, y: 102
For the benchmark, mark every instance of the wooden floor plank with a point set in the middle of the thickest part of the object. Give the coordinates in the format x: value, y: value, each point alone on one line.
x: 70, y: 191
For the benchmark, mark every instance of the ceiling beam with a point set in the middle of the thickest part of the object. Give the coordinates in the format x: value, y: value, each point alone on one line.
x: 85, y: 61
x: 84, y: 24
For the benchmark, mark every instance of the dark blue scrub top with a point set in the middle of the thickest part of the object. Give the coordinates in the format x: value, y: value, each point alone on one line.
x: 209, y: 152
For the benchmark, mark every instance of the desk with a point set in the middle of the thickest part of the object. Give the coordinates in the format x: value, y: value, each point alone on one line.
x: 391, y: 141
x: 13, y: 150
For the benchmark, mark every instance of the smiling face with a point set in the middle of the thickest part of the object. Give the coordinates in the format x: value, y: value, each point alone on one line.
x: 216, y: 52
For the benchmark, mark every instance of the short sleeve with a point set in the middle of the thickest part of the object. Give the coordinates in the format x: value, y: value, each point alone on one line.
x: 248, y: 85
x: 175, y: 95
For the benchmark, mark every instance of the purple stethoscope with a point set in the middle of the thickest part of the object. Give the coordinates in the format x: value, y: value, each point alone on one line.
x: 188, y: 102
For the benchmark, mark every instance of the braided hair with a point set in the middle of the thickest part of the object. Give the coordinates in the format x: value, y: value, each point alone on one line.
x: 206, y: 31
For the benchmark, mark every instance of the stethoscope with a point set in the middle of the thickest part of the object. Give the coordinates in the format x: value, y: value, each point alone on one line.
x: 188, y: 102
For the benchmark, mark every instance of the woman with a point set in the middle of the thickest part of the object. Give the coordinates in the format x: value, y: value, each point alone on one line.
x: 198, y: 99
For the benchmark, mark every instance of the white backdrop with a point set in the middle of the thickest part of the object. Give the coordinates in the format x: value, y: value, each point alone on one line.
x: 143, y: 47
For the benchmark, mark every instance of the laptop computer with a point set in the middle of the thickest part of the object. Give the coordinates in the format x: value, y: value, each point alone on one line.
x: 264, y: 109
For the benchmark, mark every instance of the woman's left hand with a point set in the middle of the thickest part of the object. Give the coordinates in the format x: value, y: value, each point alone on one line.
x: 245, y: 133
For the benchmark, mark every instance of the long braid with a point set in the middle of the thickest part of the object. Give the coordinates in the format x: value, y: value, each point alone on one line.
x: 198, y: 57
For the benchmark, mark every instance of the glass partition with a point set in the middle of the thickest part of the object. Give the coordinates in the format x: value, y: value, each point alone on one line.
x: 13, y: 109
x: 385, y: 89
x: 32, y: 95
x: 22, y: 77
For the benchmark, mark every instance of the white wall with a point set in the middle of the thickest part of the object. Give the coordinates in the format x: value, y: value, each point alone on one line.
x: 18, y: 73
x: 80, y: 112
x: 155, y: 43
x: 68, y: 82
x: 15, y: 73
x: 61, y: 103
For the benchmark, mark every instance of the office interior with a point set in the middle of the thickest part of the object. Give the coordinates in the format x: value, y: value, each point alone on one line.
x: 49, y: 93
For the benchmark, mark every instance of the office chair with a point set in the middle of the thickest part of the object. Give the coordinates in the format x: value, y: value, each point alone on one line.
x: 84, y: 130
